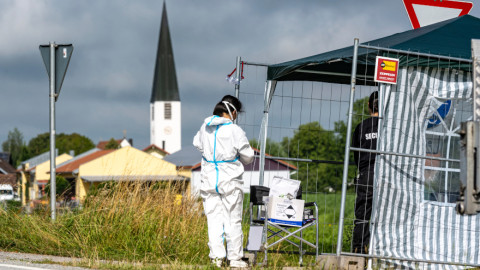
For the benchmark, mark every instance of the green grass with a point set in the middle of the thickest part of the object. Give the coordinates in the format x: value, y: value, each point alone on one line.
x: 143, y: 225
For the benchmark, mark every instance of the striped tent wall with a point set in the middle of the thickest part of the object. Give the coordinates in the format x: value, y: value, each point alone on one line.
x: 404, y: 224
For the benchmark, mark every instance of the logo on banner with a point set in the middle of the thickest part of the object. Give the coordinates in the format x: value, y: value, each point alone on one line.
x: 439, y: 114
x: 386, y: 70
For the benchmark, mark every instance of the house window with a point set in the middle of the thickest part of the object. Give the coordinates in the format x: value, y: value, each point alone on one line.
x: 153, y: 113
x: 442, y: 178
x: 168, y: 111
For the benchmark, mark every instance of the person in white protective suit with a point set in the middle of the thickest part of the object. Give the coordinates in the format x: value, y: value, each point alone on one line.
x: 224, y: 147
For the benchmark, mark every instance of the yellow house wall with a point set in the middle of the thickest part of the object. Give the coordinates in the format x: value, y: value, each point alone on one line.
x: 126, y: 161
x: 23, y: 184
x: 42, y: 170
x: 156, y: 154
x: 187, y: 172
x: 80, y: 188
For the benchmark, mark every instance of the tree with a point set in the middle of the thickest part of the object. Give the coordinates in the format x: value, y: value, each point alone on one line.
x: 360, y: 112
x: 61, y: 186
x: 15, y: 145
x: 63, y: 142
x: 312, y: 141
x: 39, y: 144
x: 112, y: 144
x: 273, y: 148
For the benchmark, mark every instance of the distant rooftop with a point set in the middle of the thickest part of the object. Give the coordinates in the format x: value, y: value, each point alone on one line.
x: 34, y: 161
x: 153, y: 146
x: 188, y: 156
x: 6, y: 168
x: 74, y: 165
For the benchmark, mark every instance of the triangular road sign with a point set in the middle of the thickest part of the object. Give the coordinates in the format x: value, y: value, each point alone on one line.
x: 63, y: 52
x: 425, y: 12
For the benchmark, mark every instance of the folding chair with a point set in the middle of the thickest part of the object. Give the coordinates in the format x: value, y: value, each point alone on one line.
x: 264, y: 234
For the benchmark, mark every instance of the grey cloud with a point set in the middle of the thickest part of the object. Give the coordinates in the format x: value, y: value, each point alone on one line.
x: 108, y: 84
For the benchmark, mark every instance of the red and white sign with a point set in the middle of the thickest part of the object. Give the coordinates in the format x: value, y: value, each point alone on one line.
x: 386, y: 70
x: 425, y: 12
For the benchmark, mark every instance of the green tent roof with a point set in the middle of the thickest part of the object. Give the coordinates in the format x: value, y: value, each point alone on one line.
x: 448, y: 38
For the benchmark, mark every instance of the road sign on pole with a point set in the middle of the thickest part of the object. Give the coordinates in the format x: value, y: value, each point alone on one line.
x: 426, y: 12
x: 56, y: 58
x: 63, y: 52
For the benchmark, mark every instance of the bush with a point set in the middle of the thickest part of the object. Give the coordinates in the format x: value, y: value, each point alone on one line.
x: 61, y: 186
x: 14, y: 206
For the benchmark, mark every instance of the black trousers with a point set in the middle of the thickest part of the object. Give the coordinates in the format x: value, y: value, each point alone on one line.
x: 363, y: 211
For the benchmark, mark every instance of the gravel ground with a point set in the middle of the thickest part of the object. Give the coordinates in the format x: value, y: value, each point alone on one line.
x: 26, y: 261
x: 13, y: 260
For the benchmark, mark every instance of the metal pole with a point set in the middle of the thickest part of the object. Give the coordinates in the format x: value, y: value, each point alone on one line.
x: 52, y: 131
x: 476, y: 80
x: 381, y: 116
x: 427, y: 55
x: 237, y: 83
x: 347, y: 149
x: 378, y: 152
x: 269, y: 89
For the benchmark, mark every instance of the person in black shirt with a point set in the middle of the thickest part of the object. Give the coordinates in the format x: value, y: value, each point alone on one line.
x: 365, y: 136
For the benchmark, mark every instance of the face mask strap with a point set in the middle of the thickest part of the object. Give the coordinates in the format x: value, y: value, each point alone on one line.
x: 228, y: 109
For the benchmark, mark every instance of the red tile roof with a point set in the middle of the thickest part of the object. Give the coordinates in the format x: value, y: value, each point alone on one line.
x: 5, y: 166
x: 277, y: 160
x: 74, y: 165
x: 8, y: 179
x: 153, y: 146
x: 102, y: 144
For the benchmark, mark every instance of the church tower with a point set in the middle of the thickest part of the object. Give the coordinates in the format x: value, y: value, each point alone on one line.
x: 165, y: 106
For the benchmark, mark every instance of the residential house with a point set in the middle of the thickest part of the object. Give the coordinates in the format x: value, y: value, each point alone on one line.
x: 124, y: 164
x: 8, y: 174
x: 156, y: 151
x: 34, y: 174
x: 121, y: 142
x: 69, y: 168
x: 188, y: 162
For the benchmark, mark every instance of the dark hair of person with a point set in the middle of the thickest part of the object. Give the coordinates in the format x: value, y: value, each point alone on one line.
x: 221, y: 108
x: 373, y: 102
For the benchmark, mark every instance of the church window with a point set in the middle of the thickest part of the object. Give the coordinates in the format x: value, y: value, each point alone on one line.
x: 168, y: 110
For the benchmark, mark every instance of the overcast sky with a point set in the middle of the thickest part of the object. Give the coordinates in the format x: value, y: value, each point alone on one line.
x: 108, y: 84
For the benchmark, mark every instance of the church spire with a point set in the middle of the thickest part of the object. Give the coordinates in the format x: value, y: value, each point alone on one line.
x: 165, y: 105
x: 165, y: 86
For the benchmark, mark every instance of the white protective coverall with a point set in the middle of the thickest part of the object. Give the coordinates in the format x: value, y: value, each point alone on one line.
x: 224, y: 147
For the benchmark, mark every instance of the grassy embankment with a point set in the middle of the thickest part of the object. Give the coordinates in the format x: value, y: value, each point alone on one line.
x: 135, y: 223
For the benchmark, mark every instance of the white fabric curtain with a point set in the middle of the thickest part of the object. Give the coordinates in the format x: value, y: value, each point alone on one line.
x: 404, y: 223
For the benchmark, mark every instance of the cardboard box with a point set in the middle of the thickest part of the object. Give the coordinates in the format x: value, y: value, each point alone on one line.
x: 285, y: 212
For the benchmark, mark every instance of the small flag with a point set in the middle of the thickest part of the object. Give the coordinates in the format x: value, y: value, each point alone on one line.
x: 233, y: 79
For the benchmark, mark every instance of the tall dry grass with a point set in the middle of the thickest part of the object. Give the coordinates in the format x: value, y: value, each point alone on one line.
x: 132, y: 221
x: 143, y: 223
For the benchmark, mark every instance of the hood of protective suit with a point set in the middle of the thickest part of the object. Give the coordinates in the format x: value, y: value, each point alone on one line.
x: 224, y: 147
x: 216, y: 120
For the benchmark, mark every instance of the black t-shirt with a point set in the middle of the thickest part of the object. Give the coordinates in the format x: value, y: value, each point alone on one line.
x: 365, y: 136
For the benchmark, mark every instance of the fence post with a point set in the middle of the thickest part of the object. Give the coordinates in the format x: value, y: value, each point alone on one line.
x: 347, y: 149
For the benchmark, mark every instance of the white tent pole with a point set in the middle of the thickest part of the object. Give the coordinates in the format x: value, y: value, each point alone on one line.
x: 347, y: 149
x: 239, y: 79
x: 269, y: 90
